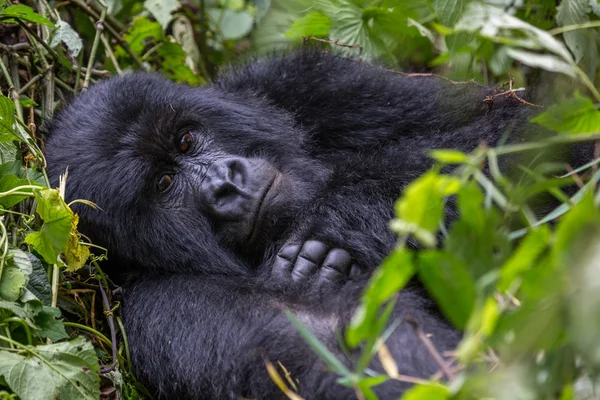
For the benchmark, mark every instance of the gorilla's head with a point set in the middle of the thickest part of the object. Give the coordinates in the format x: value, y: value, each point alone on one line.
x: 185, y: 178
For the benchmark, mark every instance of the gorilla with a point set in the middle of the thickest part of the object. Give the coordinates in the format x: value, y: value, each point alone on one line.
x: 271, y: 189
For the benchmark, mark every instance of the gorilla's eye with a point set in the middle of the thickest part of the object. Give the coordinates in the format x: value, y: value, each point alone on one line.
x: 185, y: 142
x: 164, y: 182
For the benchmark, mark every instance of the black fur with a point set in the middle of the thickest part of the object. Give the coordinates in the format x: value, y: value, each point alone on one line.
x: 203, y: 307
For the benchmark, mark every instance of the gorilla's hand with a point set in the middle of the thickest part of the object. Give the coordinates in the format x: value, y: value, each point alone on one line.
x: 312, y: 262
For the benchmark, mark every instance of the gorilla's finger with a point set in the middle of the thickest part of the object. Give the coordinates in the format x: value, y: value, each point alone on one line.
x: 336, y: 266
x: 284, y: 262
x: 311, y: 256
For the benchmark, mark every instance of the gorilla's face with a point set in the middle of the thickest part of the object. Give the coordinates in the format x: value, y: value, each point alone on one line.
x: 186, y: 178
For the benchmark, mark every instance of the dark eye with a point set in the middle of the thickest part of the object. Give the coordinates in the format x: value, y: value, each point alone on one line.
x: 185, y: 142
x: 164, y: 182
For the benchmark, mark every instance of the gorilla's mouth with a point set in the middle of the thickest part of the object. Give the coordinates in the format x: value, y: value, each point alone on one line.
x: 258, y: 217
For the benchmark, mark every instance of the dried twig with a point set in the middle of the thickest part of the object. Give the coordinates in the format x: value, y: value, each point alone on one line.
x: 430, y: 347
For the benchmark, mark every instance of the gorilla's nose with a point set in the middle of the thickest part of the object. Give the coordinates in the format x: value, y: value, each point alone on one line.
x: 225, y: 190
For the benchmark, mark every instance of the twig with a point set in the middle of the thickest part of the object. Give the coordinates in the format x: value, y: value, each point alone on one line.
x: 510, y: 93
x: 110, y: 54
x: 111, y: 325
x: 430, y: 347
x: 85, y: 8
x: 35, y: 79
x: 334, y: 42
x: 15, y: 47
x: 39, y: 40
x: 99, y: 29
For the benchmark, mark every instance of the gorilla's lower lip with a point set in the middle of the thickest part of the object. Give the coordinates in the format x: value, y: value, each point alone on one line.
x: 257, y: 213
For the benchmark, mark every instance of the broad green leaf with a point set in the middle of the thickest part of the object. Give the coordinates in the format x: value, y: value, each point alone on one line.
x: 7, y: 120
x: 427, y: 392
x: 315, y: 23
x: 448, y: 156
x: 27, y: 102
x: 138, y: 35
x: 15, y: 275
x: 172, y: 60
x: 38, y: 281
x: 18, y: 310
x: 50, y: 326
x: 162, y: 10
x: 350, y: 25
x: 64, y: 33
x: 421, y: 207
x: 525, y: 256
x: 53, y: 236
x: 11, y: 282
x: 231, y: 24
x: 573, y: 12
x: 65, y: 370
x: 24, y: 13
x: 449, y: 11
x: 544, y: 61
x: 366, y: 384
x: 75, y: 254
x: 572, y: 116
x: 423, y: 31
x: 391, y: 276
x: 492, y: 22
x: 477, y: 237
x: 449, y: 283
x: 269, y: 34
x: 8, y: 182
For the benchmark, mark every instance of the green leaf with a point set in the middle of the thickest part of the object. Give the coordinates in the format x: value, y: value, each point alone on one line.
x: 11, y: 283
x: 315, y: 23
x: 449, y: 11
x: 449, y: 283
x: 544, y: 61
x: 447, y: 156
x: 493, y: 23
x: 477, y: 237
x: 63, y: 371
x: 141, y: 31
x: 15, y: 275
x: 352, y: 25
x: 8, y: 182
x: 52, y: 238
x: 427, y: 392
x: 573, y: 12
x: 172, y: 61
x: 7, y: 120
x: 162, y: 10
x: 525, y: 256
x: 50, y: 327
x: 576, y: 115
x: 421, y: 207
x: 17, y: 309
x: 38, y: 281
x: 423, y: 31
x: 23, y: 13
x: 231, y: 24
x: 64, y: 33
x: 391, y: 276
x: 75, y: 254
x: 27, y: 102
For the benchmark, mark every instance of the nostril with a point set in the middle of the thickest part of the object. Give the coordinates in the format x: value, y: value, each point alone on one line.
x: 225, y: 190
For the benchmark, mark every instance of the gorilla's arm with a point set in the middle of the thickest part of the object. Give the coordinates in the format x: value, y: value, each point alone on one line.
x: 197, y: 337
x: 348, y: 105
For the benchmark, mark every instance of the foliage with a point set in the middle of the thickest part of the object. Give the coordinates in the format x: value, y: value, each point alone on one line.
x: 523, y: 287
